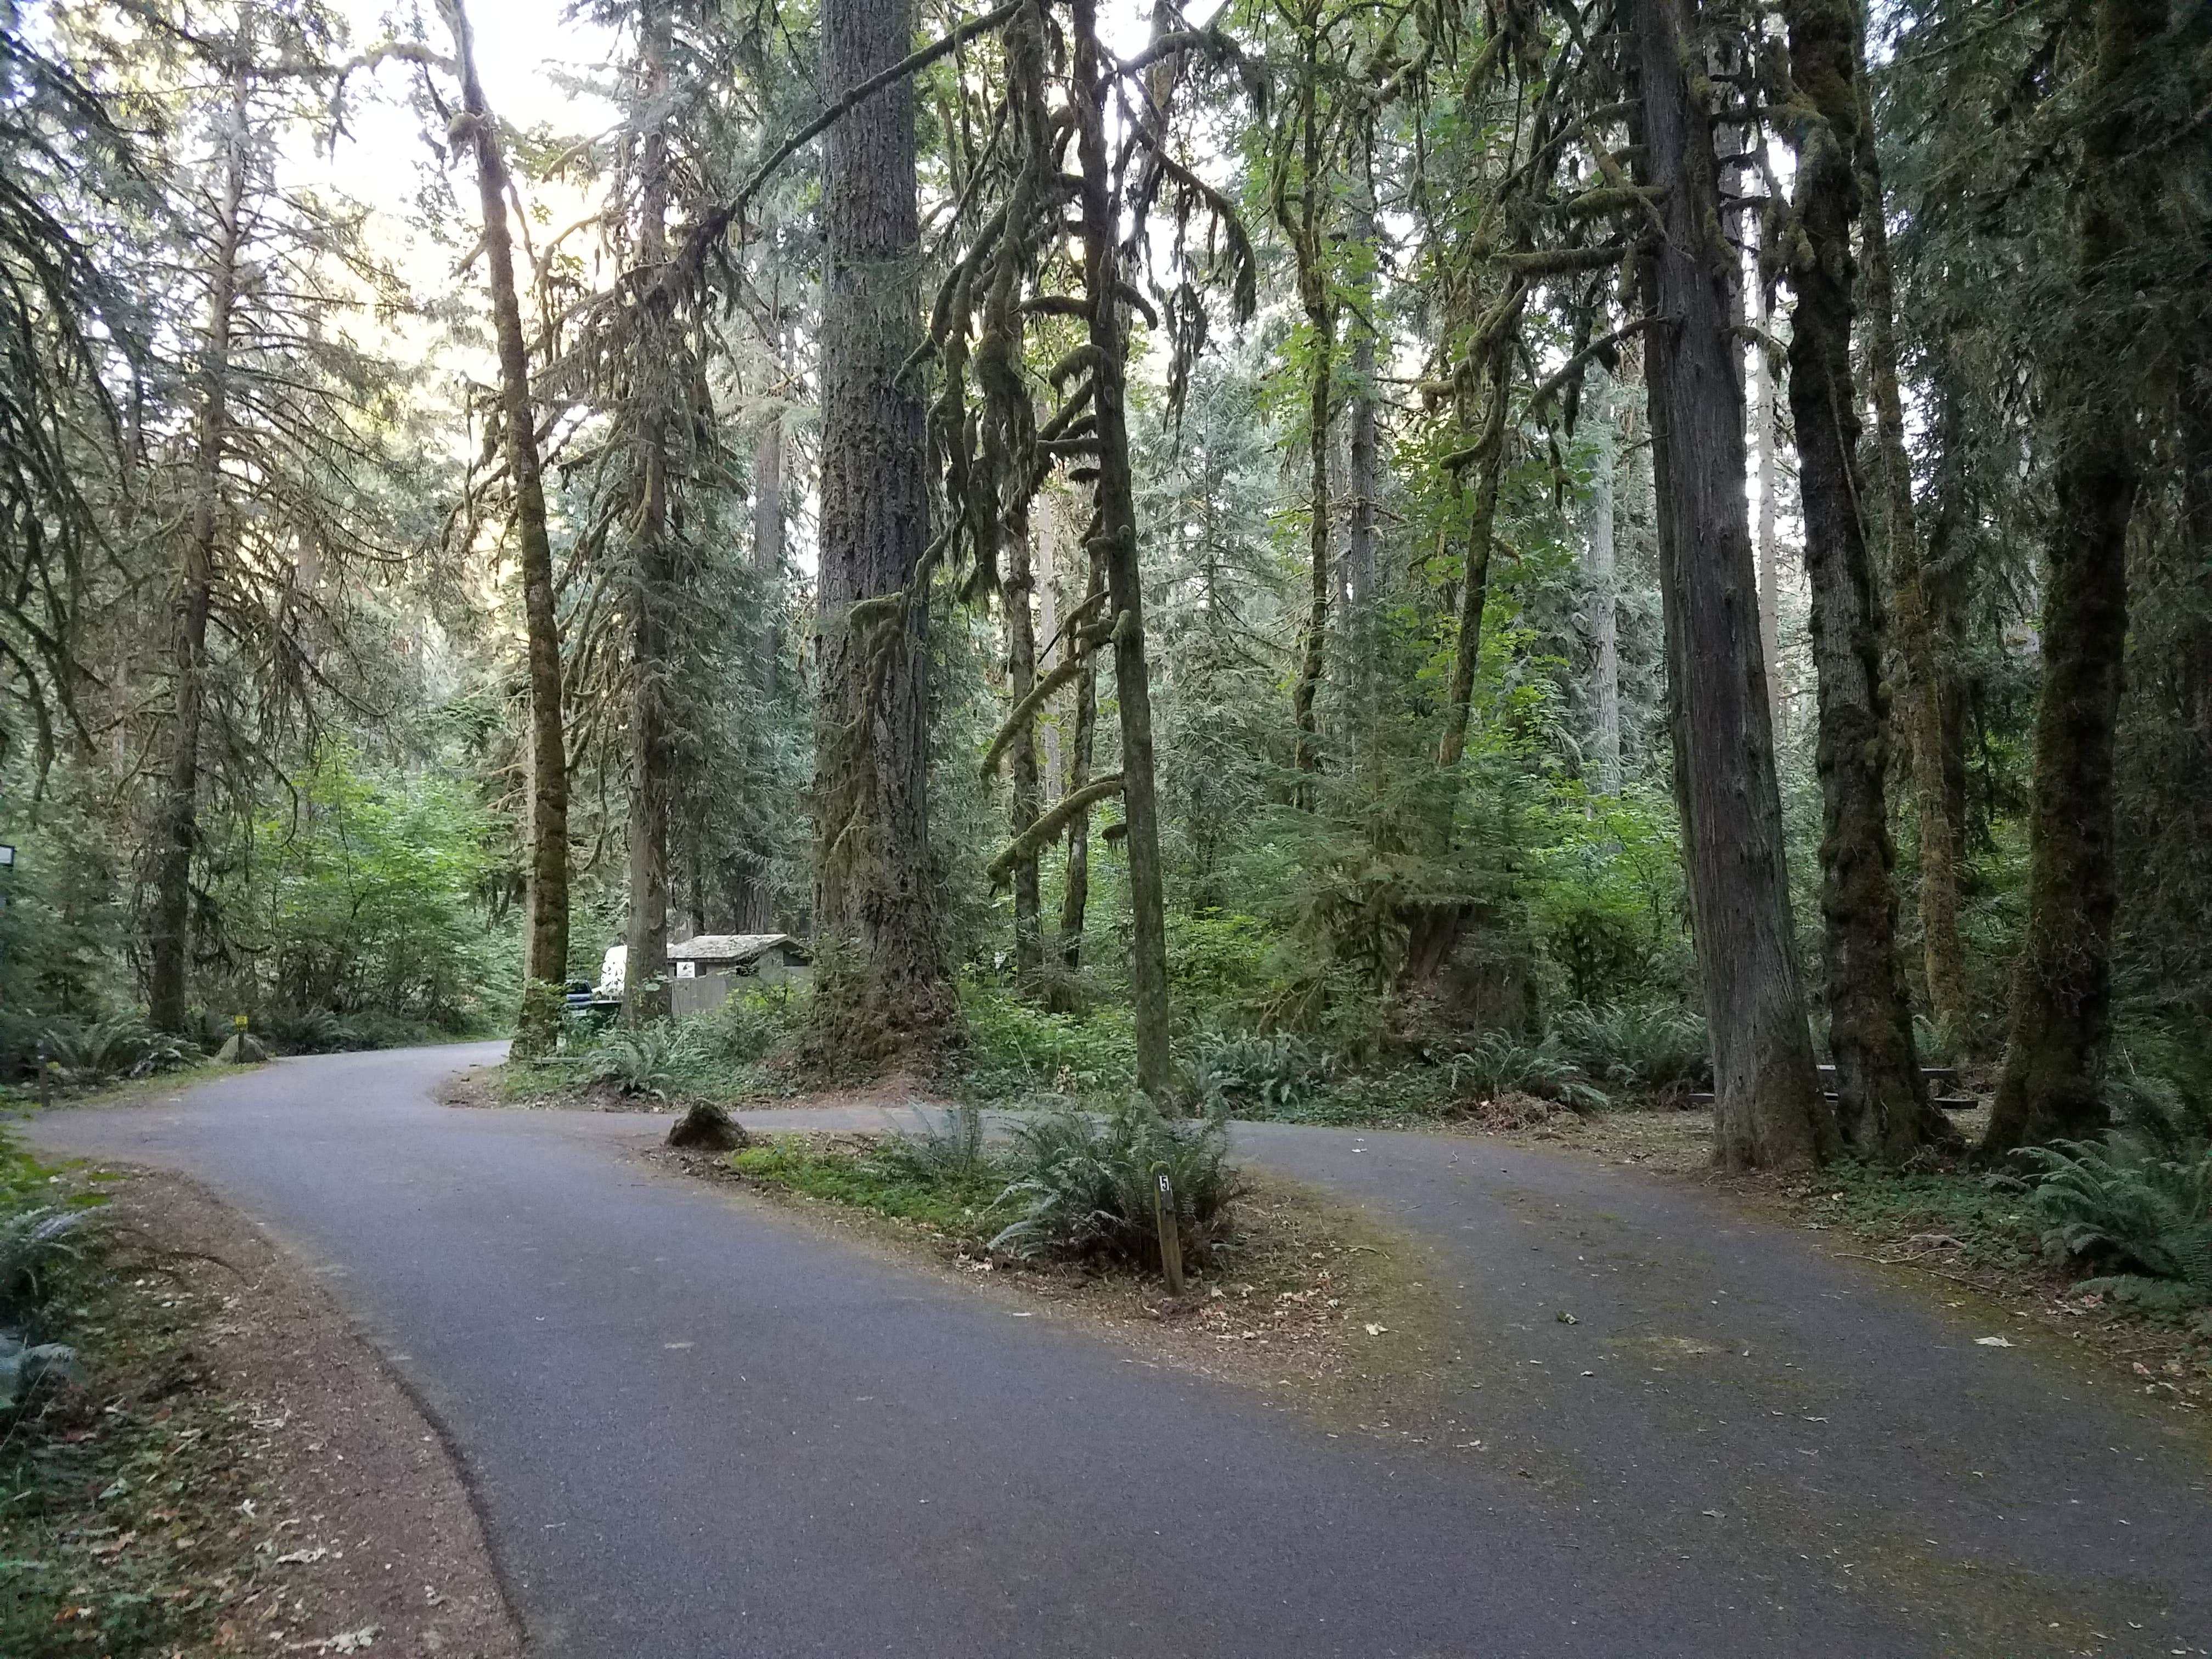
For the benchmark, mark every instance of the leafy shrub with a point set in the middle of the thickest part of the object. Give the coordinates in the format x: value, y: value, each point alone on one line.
x: 751, y: 1024
x: 1263, y: 1073
x: 207, y: 1029
x: 1016, y: 1048
x: 121, y: 1045
x: 373, y: 1028
x: 300, y: 1030
x: 1084, y: 1185
x: 1218, y: 958
x: 2122, y: 1205
x: 1498, y: 1062
x: 648, y: 1061
x: 1649, y: 1047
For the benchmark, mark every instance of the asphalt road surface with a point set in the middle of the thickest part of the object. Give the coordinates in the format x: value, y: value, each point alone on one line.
x: 698, y: 1427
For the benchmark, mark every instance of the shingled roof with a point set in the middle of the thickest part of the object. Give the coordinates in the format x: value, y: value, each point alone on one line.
x: 728, y: 947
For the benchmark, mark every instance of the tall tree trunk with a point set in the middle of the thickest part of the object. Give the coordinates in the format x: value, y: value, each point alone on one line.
x: 1762, y: 402
x: 1362, y: 475
x: 1605, y: 598
x: 756, y: 899
x: 1922, y: 648
x: 1049, y: 569
x: 645, y: 978
x: 1489, y: 464
x: 545, y: 951
x: 1117, y: 552
x: 2051, y: 1087
x: 176, y: 830
x: 1881, y: 1097
x: 1769, y: 1110
x: 1320, y: 304
x: 1075, y: 896
x: 1027, y: 794
x: 883, y: 985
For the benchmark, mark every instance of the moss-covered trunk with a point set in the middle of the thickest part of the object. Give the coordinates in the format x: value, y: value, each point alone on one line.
x: 1028, y: 792
x: 1603, y: 571
x: 1117, y: 553
x: 1489, y: 463
x: 883, y: 984
x: 1317, y: 298
x: 1881, y: 1097
x: 2061, y: 992
x: 1769, y: 1108
x: 545, y: 951
x: 1923, y: 645
x: 1075, y: 896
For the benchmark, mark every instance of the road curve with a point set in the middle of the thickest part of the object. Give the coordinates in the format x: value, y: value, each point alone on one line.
x: 698, y: 1429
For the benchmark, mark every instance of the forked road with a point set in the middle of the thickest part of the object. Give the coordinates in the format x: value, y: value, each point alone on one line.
x: 698, y: 1428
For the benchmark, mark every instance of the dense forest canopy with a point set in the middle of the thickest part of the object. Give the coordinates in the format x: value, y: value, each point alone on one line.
x: 1597, y: 547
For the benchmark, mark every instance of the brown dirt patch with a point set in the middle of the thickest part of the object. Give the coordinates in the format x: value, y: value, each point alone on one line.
x: 326, y: 1514
x: 1315, y: 1303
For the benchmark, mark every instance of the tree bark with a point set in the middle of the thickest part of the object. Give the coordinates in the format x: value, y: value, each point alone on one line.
x: 1881, y: 1097
x: 1605, y: 599
x: 883, y: 985
x: 1046, y: 572
x: 1316, y: 296
x: 644, y: 977
x: 1924, y: 652
x: 2051, y: 1087
x: 1075, y: 896
x: 1762, y: 403
x: 1363, y: 474
x: 546, y: 955
x: 1027, y: 795
x: 176, y: 832
x: 755, y: 903
x: 1489, y: 464
x: 1769, y: 1110
x: 1923, y: 649
x: 1117, y: 552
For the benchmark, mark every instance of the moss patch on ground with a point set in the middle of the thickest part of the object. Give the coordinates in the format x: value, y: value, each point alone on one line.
x: 961, y: 1207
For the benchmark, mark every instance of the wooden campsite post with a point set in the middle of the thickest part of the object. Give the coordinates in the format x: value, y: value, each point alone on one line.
x: 1163, y: 1218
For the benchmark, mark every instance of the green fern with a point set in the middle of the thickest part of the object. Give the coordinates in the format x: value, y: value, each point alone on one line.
x: 121, y: 1045
x: 32, y: 1244
x: 1650, y: 1047
x: 1261, y: 1073
x: 1085, y: 1186
x: 647, y: 1061
x: 1498, y: 1062
x: 949, y: 1149
x: 2122, y: 1206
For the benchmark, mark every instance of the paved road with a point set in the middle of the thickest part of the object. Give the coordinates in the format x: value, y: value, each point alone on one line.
x: 699, y: 1429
